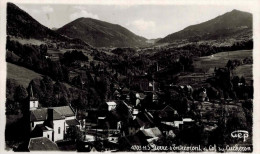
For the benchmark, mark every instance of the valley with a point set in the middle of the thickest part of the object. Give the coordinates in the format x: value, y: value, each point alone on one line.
x: 93, y: 85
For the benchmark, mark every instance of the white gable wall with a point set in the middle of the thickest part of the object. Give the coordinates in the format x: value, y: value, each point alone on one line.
x: 34, y: 123
x: 111, y: 107
x: 34, y: 104
x: 70, y: 118
x: 48, y: 134
x: 58, y: 128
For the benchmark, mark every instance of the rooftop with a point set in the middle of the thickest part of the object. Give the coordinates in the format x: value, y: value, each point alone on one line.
x: 43, y: 127
x: 111, y: 103
x: 42, y: 144
x: 38, y: 114
x: 66, y: 111
x: 57, y: 113
x: 72, y: 122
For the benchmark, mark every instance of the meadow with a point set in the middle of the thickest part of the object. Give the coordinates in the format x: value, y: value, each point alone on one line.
x: 218, y: 60
x: 22, y: 75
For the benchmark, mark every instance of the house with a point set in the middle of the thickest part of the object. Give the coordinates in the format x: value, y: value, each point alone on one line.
x: 167, y: 113
x: 51, y: 118
x: 178, y: 123
x: 186, y: 123
x: 116, y: 94
x: 89, y: 138
x: 145, y: 119
x: 125, y: 93
x: 42, y: 144
x: 113, y: 138
x: 41, y: 130
x: 166, y: 116
x: 111, y: 105
x: 168, y: 130
x: 51, y: 122
x: 69, y: 115
x: 113, y: 121
x: 152, y: 133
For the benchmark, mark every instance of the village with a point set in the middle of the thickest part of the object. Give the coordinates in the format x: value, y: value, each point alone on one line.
x: 95, y: 86
x: 134, y: 109
x: 126, y: 122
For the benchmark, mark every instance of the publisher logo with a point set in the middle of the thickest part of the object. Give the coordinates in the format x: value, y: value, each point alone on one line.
x: 241, y: 134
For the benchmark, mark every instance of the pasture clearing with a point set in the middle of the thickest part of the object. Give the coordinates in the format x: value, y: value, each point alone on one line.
x: 218, y: 60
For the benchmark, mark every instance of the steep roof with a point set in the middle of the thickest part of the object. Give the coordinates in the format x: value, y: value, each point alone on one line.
x: 72, y: 122
x: 54, y: 115
x: 33, y: 99
x: 125, y: 90
x: 39, y: 129
x: 43, y: 127
x: 57, y: 113
x: 38, y: 114
x: 66, y: 111
x: 168, y: 108
x: 111, y: 103
x: 152, y: 132
x: 42, y: 144
x: 145, y: 119
x: 168, y: 114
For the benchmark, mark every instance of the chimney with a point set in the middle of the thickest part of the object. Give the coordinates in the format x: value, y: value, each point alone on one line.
x: 49, y: 118
x: 50, y: 114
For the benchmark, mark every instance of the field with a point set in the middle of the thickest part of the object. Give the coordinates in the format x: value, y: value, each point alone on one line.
x: 245, y: 71
x: 22, y: 75
x: 28, y: 41
x: 208, y: 63
x: 204, y: 67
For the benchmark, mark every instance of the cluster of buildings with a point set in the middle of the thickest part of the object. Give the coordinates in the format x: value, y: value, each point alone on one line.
x: 117, y: 125
x: 49, y: 125
x: 123, y: 126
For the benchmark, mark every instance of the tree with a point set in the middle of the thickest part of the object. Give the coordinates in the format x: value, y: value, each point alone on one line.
x: 11, y: 85
x: 74, y: 134
x: 48, y: 100
x: 47, y: 81
x: 212, y: 93
x: 243, y: 80
x: 235, y: 81
x: 20, y: 93
x: 63, y: 101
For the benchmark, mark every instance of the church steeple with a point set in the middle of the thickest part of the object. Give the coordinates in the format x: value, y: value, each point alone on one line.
x: 31, y: 92
x: 34, y: 103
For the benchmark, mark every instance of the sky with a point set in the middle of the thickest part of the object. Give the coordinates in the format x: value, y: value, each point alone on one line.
x: 149, y: 21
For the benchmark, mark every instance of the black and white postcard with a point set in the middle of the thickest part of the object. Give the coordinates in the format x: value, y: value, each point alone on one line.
x: 130, y: 76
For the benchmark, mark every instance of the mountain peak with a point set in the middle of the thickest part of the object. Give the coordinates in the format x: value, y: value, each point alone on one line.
x: 235, y: 10
x: 101, y: 33
x: 21, y: 24
x: 222, y: 26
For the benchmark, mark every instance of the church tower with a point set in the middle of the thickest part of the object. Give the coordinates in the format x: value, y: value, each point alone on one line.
x: 34, y: 103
